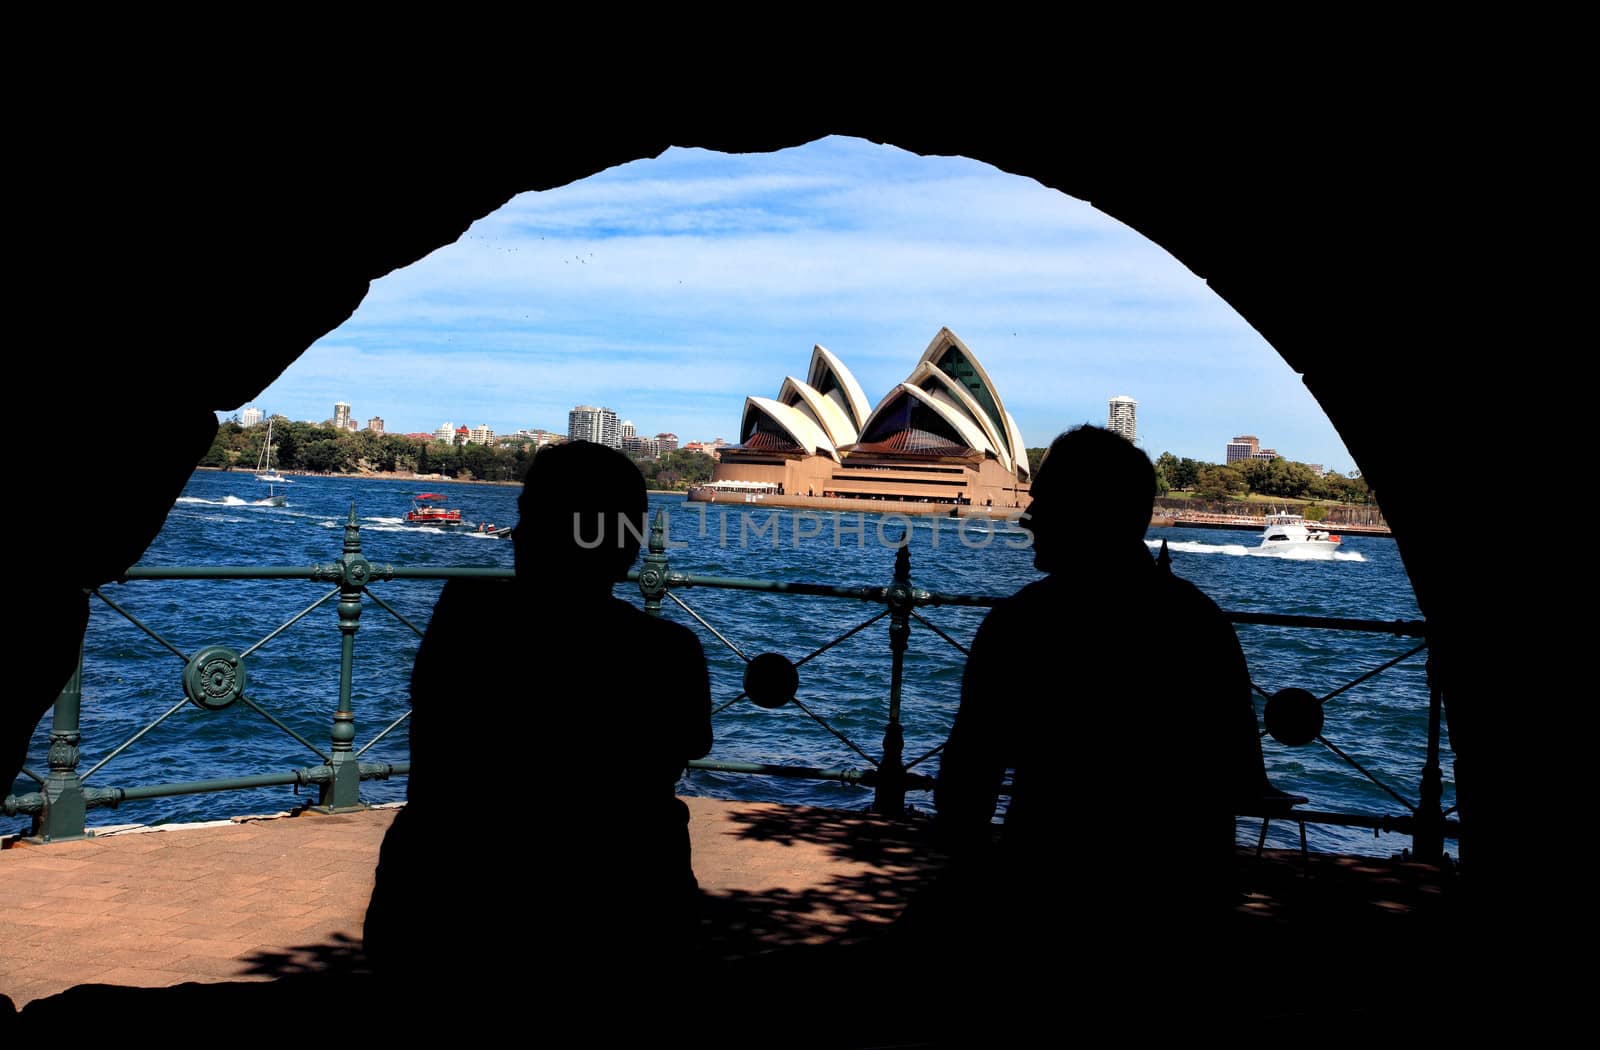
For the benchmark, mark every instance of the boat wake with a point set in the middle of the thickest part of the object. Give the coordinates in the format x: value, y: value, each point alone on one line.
x: 1240, y: 550
x: 390, y: 525
x: 231, y: 501
x: 226, y: 501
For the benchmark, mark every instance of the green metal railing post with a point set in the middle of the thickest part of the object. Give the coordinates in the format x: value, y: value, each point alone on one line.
x: 1427, y: 834
x: 653, y: 576
x: 64, y: 806
x: 343, y: 789
x: 889, y: 794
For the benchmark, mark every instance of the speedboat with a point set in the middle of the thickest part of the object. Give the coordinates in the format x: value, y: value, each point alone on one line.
x: 1290, y: 535
x: 426, y: 510
x: 272, y: 499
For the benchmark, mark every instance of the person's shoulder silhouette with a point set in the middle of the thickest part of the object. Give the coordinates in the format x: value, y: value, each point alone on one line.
x: 1115, y: 694
x: 547, y: 695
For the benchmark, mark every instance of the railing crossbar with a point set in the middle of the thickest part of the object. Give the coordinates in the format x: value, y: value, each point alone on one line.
x: 1412, y: 806
x: 296, y: 618
x: 1375, y: 671
x: 31, y: 775
x: 126, y: 615
x: 824, y: 724
x: 936, y: 629
x: 829, y: 645
x: 389, y: 729
x: 723, y: 707
x: 264, y: 713
x: 925, y: 757
x: 391, y: 610
x: 701, y: 620
x: 130, y: 741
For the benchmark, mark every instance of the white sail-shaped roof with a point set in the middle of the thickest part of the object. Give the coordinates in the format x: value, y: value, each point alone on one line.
x: 824, y: 411
x: 955, y: 394
x: 970, y: 432
x: 793, y: 422
x: 830, y: 378
x: 942, y: 352
x: 1014, y: 438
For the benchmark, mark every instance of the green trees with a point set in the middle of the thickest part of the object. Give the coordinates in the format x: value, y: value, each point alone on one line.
x: 679, y: 468
x: 1217, y: 482
x: 1279, y: 478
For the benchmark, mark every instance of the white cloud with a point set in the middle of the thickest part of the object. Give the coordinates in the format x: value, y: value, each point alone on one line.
x: 679, y: 285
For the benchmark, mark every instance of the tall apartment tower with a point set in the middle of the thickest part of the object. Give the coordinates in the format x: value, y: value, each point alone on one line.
x: 1121, y: 417
x: 341, y: 416
x: 251, y: 416
x: 600, y: 425
x: 375, y: 424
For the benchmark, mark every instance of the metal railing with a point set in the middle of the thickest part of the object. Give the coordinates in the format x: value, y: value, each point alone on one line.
x: 214, y: 678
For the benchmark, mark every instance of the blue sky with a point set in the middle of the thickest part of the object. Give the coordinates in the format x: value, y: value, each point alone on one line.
x: 669, y: 289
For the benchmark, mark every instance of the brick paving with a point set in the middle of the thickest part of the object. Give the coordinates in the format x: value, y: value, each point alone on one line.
x: 260, y: 899
x: 256, y: 899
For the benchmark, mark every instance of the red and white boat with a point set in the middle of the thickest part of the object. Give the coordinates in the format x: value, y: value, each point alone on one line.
x: 426, y: 509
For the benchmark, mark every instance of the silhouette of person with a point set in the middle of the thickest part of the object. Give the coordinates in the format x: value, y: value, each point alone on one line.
x: 1118, y: 696
x: 551, y: 723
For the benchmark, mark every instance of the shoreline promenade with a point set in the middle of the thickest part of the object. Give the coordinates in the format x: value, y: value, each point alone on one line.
x: 282, y: 899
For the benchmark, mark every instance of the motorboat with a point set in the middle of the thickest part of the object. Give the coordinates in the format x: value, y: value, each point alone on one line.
x: 265, y: 471
x: 427, y: 509
x: 1291, y: 535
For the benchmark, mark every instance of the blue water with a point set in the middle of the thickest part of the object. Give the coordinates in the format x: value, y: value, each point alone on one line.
x: 129, y: 679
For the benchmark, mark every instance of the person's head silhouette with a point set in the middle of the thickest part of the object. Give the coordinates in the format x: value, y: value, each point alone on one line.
x: 583, y: 510
x: 1093, y: 490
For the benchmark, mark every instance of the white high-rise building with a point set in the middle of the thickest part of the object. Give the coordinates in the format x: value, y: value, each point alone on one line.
x: 481, y: 434
x: 445, y: 432
x: 626, y: 430
x: 341, y: 416
x: 251, y: 416
x: 599, y: 425
x: 1122, y: 417
x: 375, y: 424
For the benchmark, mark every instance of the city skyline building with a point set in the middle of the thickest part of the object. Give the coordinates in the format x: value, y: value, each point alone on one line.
x: 341, y: 415
x: 1245, y: 447
x: 375, y: 424
x: 445, y: 432
x: 481, y: 435
x: 251, y: 416
x: 1122, y: 417
x: 594, y: 423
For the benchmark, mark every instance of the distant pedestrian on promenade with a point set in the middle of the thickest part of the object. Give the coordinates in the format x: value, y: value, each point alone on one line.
x: 551, y: 723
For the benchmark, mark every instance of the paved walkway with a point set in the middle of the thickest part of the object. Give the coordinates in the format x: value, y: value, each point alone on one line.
x: 233, y: 903
x: 265, y: 898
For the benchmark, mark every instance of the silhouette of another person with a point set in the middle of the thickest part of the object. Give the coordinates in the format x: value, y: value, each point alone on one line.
x: 1119, y: 697
x: 551, y: 723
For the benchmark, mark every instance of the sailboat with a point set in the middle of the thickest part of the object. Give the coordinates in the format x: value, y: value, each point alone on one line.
x: 264, y: 468
x: 272, y: 499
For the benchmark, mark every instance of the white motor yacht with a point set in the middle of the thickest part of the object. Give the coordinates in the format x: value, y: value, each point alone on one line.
x: 1289, y: 535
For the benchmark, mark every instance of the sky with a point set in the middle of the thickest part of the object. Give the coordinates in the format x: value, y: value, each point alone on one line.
x: 670, y: 289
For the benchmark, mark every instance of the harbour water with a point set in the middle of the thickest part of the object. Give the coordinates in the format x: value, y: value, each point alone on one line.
x: 129, y: 679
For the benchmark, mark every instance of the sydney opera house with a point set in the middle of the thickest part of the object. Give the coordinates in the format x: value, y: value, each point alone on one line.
x: 942, y: 437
